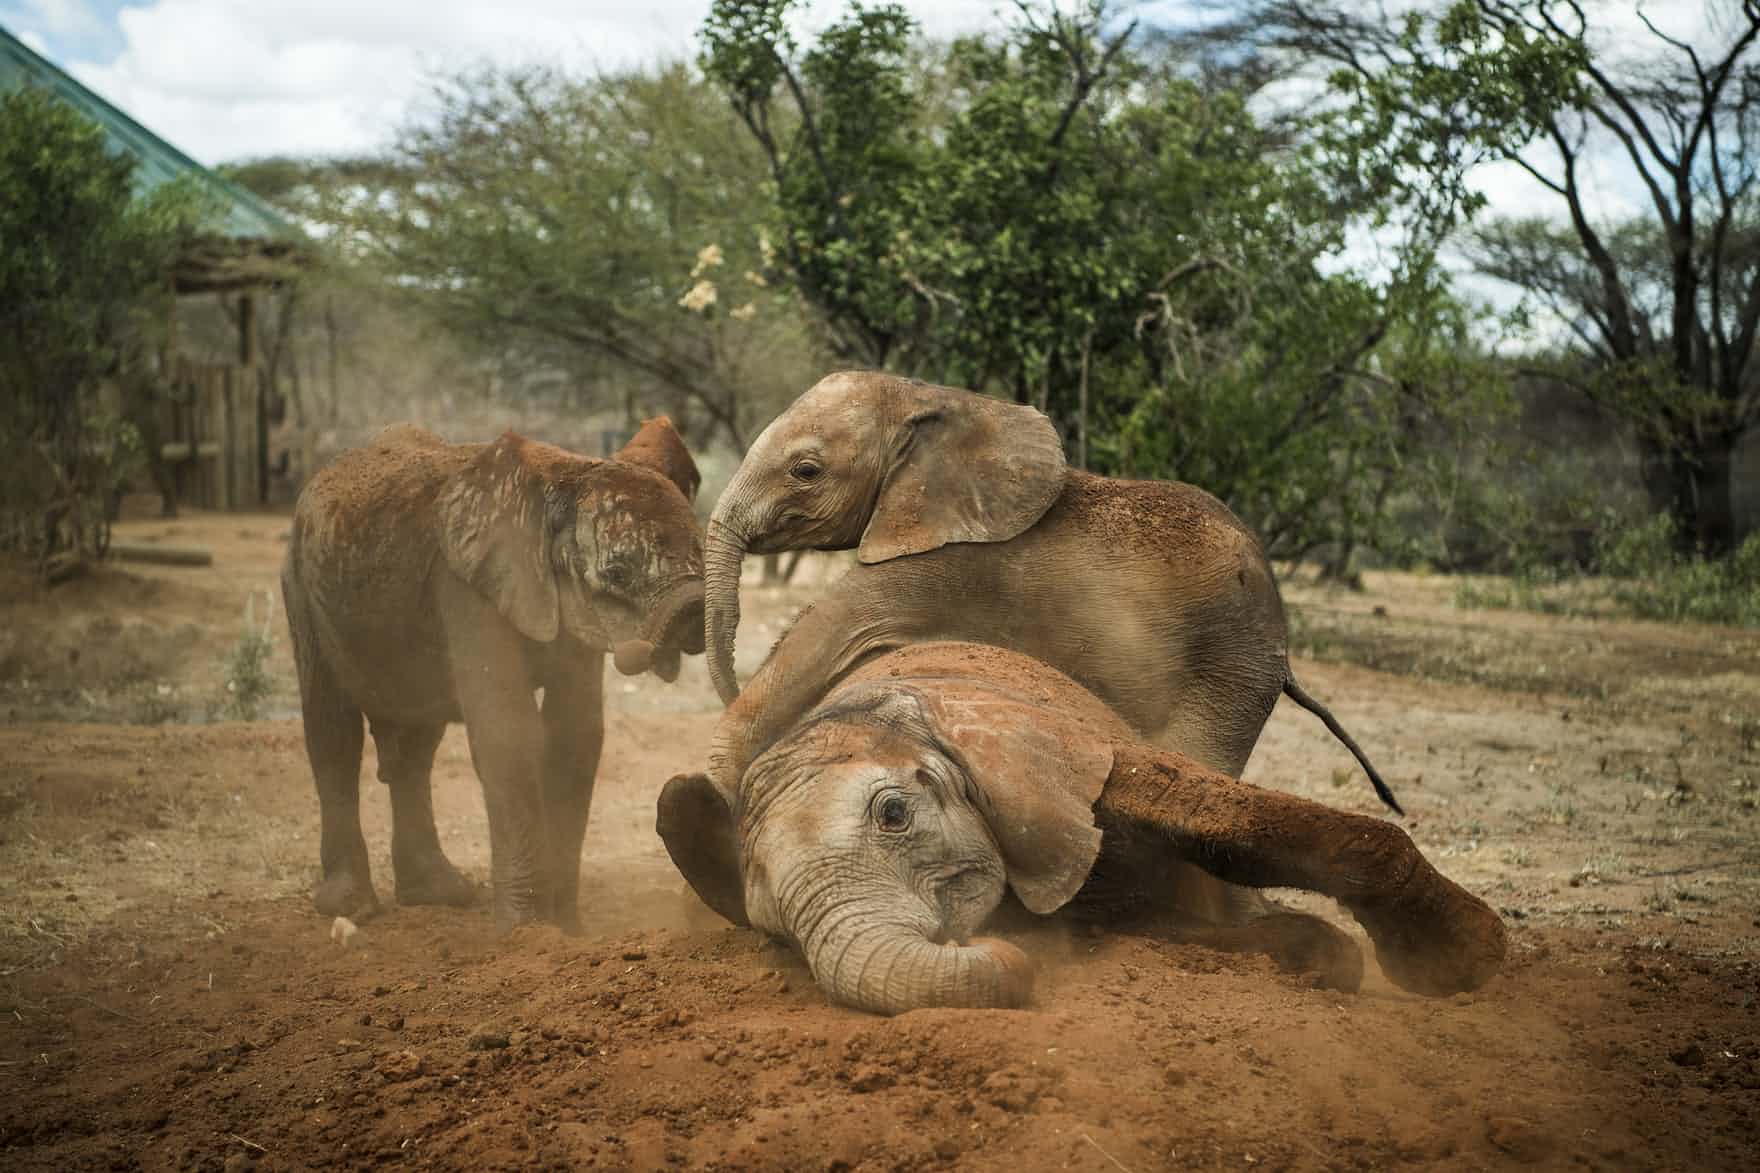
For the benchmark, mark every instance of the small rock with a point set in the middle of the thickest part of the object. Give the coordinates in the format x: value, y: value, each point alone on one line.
x: 1518, y: 1137
x: 1691, y: 1055
x: 635, y: 955
x: 398, y: 1066
x: 869, y: 1079
x: 346, y: 933
x: 487, y: 1038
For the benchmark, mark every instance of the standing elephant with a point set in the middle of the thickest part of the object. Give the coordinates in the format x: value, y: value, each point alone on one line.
x: 428, y: 583
x: 882, y: 831
x: 968, y: 525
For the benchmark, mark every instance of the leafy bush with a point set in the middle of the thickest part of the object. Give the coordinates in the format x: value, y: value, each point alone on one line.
x: 83, y: 263
x: 1638, y: 572
x: 1650, y: 579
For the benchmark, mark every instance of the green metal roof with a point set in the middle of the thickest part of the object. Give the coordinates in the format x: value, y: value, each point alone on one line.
x: 243, y: 215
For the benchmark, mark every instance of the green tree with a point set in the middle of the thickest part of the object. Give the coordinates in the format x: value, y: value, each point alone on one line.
x: 1084, y: 226
x: 1663, y: 310
x: 84, y: 266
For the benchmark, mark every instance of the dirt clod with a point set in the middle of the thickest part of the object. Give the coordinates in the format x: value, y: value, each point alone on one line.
x: 868, y: 1078
x: 398, y: 1066
x: 1519, y: 1138
x: 1690, y: 1055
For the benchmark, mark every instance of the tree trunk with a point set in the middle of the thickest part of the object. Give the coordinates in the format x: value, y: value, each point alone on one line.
x: 1688, y: 478
x: 333, y: 359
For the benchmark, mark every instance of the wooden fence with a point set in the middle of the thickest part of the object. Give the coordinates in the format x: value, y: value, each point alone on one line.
x: 212, y: 435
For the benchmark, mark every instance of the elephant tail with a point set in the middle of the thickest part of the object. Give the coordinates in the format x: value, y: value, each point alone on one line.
x: 1300, y: 696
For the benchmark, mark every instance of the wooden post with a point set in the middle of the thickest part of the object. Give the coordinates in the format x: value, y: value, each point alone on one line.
x: 248, y: 393
x: 228, y: 461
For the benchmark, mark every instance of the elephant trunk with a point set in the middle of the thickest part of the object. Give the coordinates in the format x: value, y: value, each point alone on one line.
x: 724, y: 552
x: 674, y: 624
x: 862, y: 958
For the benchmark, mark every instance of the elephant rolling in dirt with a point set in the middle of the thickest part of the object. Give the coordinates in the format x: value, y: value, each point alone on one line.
x: 428, y: 583
x: 969, y: 526
x: 882, y: 831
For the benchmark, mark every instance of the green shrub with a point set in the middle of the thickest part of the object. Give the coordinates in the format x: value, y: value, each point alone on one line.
x: 1648, y: 578
x: 1639, y: 573
x: 247, y: 669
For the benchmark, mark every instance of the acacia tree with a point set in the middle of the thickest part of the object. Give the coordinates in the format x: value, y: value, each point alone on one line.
x: 1664, y: 308
x: 606, y: 223
x: 84, y: 269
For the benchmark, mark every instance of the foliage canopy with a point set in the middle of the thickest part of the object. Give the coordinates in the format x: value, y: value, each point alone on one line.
x: 83, y: 268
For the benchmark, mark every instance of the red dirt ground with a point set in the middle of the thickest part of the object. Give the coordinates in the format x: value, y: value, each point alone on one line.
x: 168, y: 998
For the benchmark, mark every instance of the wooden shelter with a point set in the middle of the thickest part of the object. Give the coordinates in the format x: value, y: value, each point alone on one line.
x: 213, y: 427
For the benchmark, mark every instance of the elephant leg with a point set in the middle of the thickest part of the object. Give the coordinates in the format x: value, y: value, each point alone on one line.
x: 1430, y: 935
x: 506, y: 734
x: 334, y: 738
x: 574, y: 732
x: 1218, y: 732
x: 406, y: 763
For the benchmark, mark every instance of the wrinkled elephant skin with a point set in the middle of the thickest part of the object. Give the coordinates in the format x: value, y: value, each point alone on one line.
x: 968, y: 525
x: 881, y: 832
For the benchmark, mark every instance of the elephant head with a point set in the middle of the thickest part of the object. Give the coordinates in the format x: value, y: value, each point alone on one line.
x: 886, y: 465
x: 605, y: 551
x: 884, y: 830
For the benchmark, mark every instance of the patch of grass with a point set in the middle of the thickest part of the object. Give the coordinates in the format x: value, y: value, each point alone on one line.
x: 1640, y: 573
x: 248, y: 681
x: 1653, y: 581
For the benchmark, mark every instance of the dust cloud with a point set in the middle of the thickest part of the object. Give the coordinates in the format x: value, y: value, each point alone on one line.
x: 168, y: 997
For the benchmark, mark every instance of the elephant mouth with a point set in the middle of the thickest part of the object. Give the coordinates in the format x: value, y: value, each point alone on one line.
x: 674, y: 626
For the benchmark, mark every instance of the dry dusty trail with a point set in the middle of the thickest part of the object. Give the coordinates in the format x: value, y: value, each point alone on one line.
x: 168, y: 998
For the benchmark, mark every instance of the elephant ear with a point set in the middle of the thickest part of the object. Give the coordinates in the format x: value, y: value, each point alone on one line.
x: 696, y: 824
x: 1036, y: 773
x: 967, y: 468
x: 495, y: 529
x: 657, y: 445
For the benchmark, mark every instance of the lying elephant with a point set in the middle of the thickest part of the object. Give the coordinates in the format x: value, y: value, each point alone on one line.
x: 429, y: 582
x: 969, y: 526
x: 881, y: 831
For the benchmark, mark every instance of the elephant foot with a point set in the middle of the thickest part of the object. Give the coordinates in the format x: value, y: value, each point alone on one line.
x: 516, y: 907
x: 343, y: 894
x: 433, y: 881
x: 1434, y: 938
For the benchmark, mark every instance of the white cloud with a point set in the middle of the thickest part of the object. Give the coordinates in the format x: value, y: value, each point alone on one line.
x: 61, y: 19
x: 228, y: 79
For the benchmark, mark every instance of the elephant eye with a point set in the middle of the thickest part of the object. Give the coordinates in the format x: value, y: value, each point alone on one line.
x: 806, y: 470
x: 893, y: 814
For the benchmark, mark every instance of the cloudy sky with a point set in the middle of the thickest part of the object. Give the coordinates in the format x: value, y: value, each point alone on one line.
x: 228, y: 79
x: 232, y: 79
